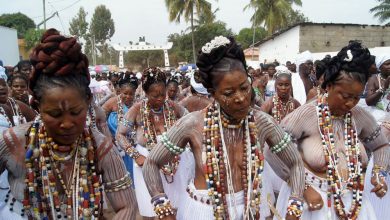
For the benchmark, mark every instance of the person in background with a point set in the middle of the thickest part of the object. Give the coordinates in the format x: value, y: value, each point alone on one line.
x: 19, y: 88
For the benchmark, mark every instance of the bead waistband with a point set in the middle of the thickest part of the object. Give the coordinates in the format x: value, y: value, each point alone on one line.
x: 314, y: 180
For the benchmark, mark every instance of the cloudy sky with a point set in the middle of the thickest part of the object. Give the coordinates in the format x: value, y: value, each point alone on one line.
x: 149, y: 18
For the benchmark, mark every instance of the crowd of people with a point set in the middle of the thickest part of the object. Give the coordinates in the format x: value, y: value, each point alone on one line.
x: 305, y: 140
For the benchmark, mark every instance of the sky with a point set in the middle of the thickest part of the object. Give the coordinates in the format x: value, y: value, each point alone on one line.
x: 149, y: 18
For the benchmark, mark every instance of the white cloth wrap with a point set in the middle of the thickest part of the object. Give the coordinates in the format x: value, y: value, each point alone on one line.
x: 174, y: 191
x: 366, y: 213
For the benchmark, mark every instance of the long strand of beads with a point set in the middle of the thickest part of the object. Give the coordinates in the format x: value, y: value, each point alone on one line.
x: 6, y: 117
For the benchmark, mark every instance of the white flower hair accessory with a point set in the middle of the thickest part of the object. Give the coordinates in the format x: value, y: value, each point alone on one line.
x: 215, y: 43
x: 349, y: 56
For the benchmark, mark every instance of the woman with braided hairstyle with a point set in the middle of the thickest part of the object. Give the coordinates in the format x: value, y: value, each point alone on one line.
x: 330, y: 133
x: 58, y: 165
x: 226, y: 139
x: 140, y: 130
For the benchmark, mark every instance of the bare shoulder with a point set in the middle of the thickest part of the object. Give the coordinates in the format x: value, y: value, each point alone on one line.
x: 103, y: 144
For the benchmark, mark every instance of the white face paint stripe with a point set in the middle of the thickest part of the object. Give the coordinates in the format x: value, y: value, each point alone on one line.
x: 64, y: 105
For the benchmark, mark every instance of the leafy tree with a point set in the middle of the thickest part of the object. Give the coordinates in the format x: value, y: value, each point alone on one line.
x: 273, y: 15
x: 78, y: 26
x: 102, y: 25
x: 245, y: 36
x: 295, y: 17
x: 186, y: 9
x: 382, y: 11
x: 32, y: 37
x: 181, y: 50
x: 18, y: 21
x: 142, y: 59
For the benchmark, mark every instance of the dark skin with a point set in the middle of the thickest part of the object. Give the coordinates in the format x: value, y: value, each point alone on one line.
x: 19, y: 90
x: 156, y: 97
x: 232, y: 90
x: 373, y: 96
x: 305, y: 69
x: 172, y: 90
x: 343, y: 95
x: 127, y: 94
x: 27, y: 112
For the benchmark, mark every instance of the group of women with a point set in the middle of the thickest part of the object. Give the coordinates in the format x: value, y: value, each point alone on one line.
x: 232, y: 149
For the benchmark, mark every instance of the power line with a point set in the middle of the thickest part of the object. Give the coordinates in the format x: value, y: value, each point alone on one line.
x: 70, y: 5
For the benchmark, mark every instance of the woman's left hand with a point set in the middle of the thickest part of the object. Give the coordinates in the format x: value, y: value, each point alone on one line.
x: 380, y: 188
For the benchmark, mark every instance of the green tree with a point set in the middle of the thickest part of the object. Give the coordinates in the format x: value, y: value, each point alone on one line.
x: 182, y: 51
x: 102, y: 25
x: 78, y: 26
x: 32, y: 37
x: 18, y: 21
x: 102, y: 28
x: 273, y: 15
x: 382, y: 11
x: 245, y: 36
x: 187, y: 9
x: 295, y: 17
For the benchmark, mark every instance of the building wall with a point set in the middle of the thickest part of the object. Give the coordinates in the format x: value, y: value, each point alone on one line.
x: 283, y: 47
x: 9, y: 52
x: 322, y: 38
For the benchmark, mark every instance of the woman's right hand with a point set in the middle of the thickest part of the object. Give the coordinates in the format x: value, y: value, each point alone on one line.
x: 313, y: 199
x: 140, y: 160
x: 169, y: 217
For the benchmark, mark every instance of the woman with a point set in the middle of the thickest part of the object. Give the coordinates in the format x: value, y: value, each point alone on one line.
x: 142, y: 126
x: 319, y: 70
x: 199, y: 98
x: 378, y: 93
x: 116, y: 107
x: 19, y: 88
x: 281, y: 103
x: 173, y: 89
x: 62, y: 170
x: 329, y: 132
x: 225, y: 139
x: 21, y: 113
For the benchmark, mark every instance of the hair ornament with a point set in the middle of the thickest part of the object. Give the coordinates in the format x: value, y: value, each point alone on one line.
x: 349, y: 56
x: 215, y: 43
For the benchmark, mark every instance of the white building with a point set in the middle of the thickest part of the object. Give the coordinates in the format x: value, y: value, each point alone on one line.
x: 9, y: 52
x: 321, y: 39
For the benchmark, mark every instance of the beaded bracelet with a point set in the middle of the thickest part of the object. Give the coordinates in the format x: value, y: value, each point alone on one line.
x: 163, y: 208
x: 158, y: 198
x: 295, y: 207
x: 282, y: 144
x: 132, y: 152
x: 170, y: 146
x: 118, y: 185
x: 379, y: 171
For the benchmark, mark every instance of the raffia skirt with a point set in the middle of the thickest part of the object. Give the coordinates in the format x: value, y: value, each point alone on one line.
x: 381, y: 205
x: 320, y: 185
x: 175, y: 190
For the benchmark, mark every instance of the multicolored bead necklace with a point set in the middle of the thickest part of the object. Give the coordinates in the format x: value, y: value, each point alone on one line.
x: 150, y: 135
x: 355, y: 181
x: 280, y: 109
x: 83, y: 198
x: 217, y: 169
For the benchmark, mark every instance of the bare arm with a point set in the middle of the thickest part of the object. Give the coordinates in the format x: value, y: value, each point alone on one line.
x: 267, y: 106
x: 27, y: 112
x: 179, y: 135
x: 121, y: 195
x: 289, y: 155
x: 101, y: 121
x: 373, y: 96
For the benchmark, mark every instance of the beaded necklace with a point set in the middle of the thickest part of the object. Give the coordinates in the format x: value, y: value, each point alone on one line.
x: 281, y: 109
x: 355, y: 180
x: 217, y: 165
x: 91, y: 117
x: 43, y: 179
x: 2, y: 111
x: 169, y: 169
x: 18, y: 115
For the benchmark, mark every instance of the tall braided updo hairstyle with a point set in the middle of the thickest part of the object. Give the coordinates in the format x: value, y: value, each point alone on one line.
x: 152, y: 76
x: 219, y: 56
x: 58, y: 62
x: 353, y: 60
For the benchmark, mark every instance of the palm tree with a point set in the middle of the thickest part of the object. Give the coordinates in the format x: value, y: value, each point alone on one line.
x: 186, y: 9
x: 272, y: 14
x: 382, y: 11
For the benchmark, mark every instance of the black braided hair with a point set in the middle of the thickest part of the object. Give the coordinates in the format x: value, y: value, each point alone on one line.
x: 210, y: 63
x: 355, y: 67
x: 152, y: 76
x: 128, y: 80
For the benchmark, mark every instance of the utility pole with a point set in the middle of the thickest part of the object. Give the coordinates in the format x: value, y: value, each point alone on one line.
x: 44, y: 14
